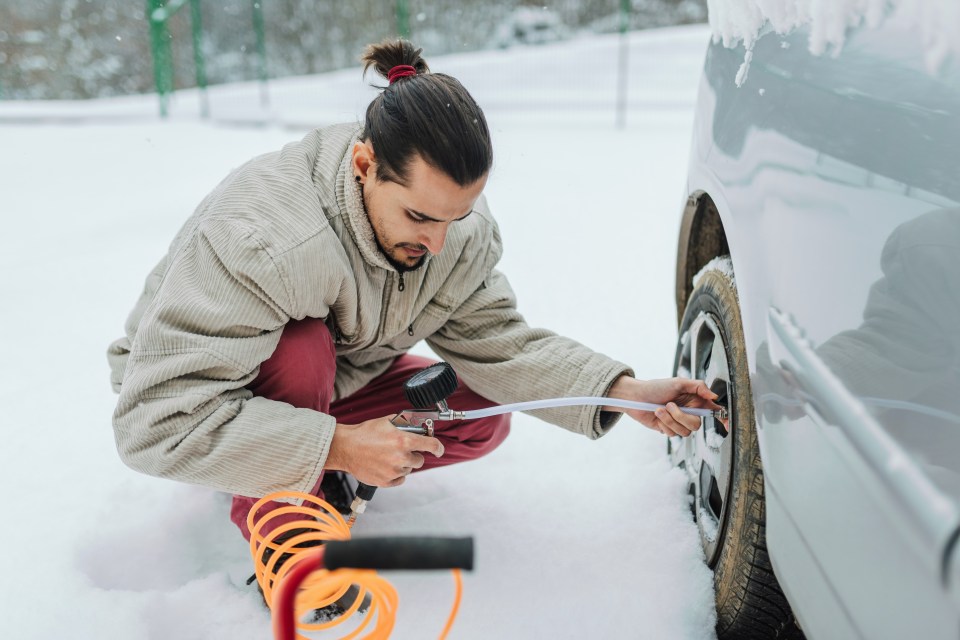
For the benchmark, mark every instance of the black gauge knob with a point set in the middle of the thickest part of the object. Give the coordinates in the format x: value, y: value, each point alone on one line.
x: 429, y: 386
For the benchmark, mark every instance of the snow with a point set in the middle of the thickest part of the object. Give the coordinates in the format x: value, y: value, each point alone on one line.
x: 713, y: 439
x: 723, y: 264
x: 710, y: 525
x: 938, y: 21
x: 574, y: 538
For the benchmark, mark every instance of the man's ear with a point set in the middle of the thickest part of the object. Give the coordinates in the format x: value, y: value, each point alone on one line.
x: 364, y: 161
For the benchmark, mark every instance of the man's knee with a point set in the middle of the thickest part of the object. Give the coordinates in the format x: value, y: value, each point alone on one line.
x: 481, y: 437
x: 302, y: 369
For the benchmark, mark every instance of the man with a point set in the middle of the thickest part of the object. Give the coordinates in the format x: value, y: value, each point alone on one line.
x: 270, y: 343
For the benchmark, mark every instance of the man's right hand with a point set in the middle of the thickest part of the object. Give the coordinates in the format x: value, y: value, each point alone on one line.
x: 376, y: 453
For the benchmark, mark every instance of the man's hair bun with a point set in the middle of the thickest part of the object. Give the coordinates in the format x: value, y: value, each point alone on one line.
x: 388, y: 54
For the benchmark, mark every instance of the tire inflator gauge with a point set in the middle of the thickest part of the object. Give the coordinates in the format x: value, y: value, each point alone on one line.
x: 428, y: 389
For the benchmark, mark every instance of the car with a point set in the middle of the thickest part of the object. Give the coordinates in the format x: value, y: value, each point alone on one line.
x: 818, y: 293
x: 530, y: 26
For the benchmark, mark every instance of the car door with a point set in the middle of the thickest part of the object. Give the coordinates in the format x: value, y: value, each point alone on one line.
x: 838, y: 178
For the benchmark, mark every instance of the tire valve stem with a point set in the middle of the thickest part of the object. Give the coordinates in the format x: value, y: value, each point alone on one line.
x: 721, y: 414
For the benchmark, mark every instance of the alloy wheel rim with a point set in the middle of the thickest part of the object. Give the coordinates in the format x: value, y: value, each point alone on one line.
x: 706, y: 456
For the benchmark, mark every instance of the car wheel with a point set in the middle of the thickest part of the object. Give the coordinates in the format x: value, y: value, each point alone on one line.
x: 722, y: 464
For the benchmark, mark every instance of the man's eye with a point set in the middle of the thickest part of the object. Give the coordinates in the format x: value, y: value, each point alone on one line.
x: 416, y: 219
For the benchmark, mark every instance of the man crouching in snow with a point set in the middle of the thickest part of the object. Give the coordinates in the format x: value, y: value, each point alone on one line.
x: 270, y: 344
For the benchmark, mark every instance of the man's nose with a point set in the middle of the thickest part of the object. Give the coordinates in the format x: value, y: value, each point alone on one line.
x: 434, y: 238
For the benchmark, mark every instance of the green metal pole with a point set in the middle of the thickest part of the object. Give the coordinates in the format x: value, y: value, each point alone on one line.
x: 196, y: 24
x: 261, y: 50
x: 403, y: 19
x: 623, y: 63
x: 159, y: 48
x: 159, y: 13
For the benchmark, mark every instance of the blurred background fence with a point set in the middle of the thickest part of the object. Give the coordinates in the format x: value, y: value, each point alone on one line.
x: 77, y: 49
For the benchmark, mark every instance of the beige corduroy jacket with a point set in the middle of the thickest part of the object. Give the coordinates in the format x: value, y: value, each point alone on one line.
x: 286, y: 237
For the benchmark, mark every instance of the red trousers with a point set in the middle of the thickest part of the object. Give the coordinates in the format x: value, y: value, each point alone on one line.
x: 301, y: 372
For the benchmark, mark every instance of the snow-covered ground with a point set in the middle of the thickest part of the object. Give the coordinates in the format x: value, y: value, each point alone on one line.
x: 575, y: 539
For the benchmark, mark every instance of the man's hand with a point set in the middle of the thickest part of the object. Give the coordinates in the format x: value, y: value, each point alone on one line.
x: 672, y: 392
x: 377, y: 453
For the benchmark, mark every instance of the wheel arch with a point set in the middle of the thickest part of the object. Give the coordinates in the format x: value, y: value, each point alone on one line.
x: 702, y: 238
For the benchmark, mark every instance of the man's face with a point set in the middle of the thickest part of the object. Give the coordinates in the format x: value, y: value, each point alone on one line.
x: 411, y: 221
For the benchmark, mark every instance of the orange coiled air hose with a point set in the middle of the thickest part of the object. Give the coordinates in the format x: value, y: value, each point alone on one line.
x: 319, y: 587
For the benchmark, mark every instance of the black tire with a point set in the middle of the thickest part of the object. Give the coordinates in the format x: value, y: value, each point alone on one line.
x: 728, y: 497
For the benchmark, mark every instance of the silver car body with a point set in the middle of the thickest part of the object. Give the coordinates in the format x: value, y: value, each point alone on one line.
x: 836, y: 179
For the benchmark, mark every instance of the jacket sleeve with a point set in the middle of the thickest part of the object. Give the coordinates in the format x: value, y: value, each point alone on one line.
x: 498, y: 356
x: 183, y: 411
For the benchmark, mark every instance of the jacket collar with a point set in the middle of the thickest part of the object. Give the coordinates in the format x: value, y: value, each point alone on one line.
x: 358, y: 224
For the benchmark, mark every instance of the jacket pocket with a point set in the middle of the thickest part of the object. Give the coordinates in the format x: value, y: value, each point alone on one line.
x: 427, y: 322
x: 341, y: 339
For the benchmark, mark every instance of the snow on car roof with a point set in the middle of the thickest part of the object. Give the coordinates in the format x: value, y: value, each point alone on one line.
x: 937, y: 21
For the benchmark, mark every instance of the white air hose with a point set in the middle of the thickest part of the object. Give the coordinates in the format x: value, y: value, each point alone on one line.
x: 569, y: 402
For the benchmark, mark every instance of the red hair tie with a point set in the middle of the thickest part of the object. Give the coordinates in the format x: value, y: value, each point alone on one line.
x: 400, y: 71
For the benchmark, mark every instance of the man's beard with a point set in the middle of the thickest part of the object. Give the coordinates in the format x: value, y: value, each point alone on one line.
x: 396, y: 264
x: 399, y: 266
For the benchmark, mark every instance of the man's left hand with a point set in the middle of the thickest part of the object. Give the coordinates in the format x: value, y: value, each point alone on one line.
x: 671, y: 392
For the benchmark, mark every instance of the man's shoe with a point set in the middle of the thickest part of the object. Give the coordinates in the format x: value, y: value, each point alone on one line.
x: 332, y: 610
x: 344, y: 602
x: 268, y: 553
